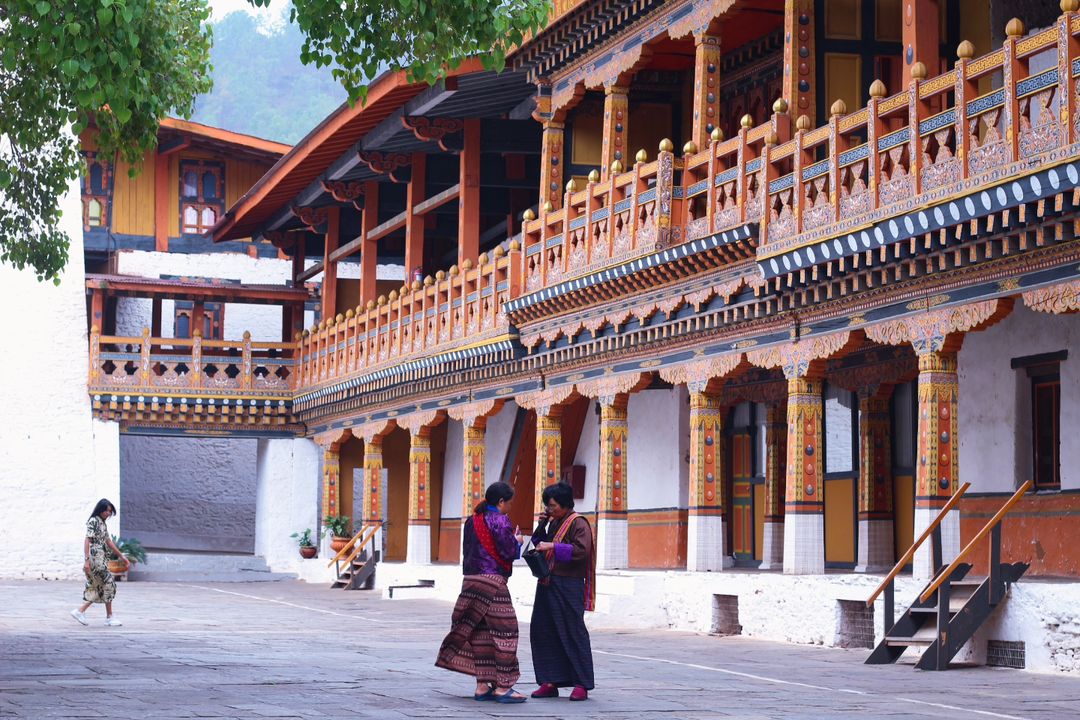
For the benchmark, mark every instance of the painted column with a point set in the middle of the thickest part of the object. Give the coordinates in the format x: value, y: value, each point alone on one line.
x: 329, y: 282
x: 804, y: 509
x: 876, y: 552
x: 373, y: 467
x: 937, y: 465
x: 705, y: 516
x: 548, y: 451
x: 921, y: 23
x: 616, y: 121
x: 419, y: 538
x: 798, y: 88
x: 469, y: 193
x: 706, y: 87
x: 772, y: 552
x: 414, y: 224
x: 331, y: 470
x: 551, y: 164
x: 473, y: 466
x: 612, y: 533
x: 369, y: 251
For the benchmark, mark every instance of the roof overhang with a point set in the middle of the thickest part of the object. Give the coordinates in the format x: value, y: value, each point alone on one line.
x: 177, y: 289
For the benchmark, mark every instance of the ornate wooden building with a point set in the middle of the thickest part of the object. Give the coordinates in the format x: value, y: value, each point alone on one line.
x: 766, y: 281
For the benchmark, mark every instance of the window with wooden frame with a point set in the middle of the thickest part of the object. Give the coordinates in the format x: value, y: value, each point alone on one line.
x: 202, y: 195
x: 96, y: 191
x: 1044, y: 377
x: 213, y: 320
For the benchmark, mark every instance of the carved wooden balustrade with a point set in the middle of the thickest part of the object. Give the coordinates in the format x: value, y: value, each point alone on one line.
x: 451, y: 311
x: 937, y: 138
x: 159, y: 372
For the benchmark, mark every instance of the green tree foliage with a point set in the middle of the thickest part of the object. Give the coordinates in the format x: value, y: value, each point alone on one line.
x: 260, y: 86
x: 424, y: 37
x: 122, y: 64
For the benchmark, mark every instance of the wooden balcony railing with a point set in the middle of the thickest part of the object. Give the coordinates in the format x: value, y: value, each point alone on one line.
x: 154, y: 366
x: 450, y: 310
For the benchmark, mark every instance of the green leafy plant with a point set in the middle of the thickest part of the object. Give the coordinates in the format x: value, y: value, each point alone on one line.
x: 337, y: 525
x: 130, y: 548
x: 120, y: 65
x: 303, y: 539
x: 425, y: 38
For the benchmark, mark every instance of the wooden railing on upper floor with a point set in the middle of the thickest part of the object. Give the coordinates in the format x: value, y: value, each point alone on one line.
x: 153, y: 366
x: 446, y: 312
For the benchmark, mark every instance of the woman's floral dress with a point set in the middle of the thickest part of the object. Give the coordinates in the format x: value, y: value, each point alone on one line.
x: 100, y: 583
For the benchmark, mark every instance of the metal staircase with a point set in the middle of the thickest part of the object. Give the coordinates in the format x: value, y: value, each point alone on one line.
x: 954, y: 604
x: 355, y: 563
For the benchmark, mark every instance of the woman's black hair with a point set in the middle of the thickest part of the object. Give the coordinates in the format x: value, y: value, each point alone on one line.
x: 102, y: 506
x: 496, y: 492
x: 560, y: 493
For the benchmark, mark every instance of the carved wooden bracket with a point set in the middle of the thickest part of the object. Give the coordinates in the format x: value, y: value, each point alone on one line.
x: 605, y: 389
x: 932, y: 330
x: 433, y: 129
x: 343, y: 191
x: 795, y: 357
x: 543, y: 401
x: 1055, y: 299
x: 312, y: 217
x: 469, y: 413
x: 383, y: 162
x: 699, y: 374
x: 421, y: 421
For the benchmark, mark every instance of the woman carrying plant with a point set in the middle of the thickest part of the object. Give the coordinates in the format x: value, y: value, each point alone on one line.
x: 561, y: 650
x: 100, y: 583
x: 483, y: 636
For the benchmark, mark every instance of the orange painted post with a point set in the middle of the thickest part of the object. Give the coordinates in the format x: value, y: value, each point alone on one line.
x: 1012, y: 73
x: 922, y: 38
x: 97, y: 310
x: 369, y: 253
x: 706, y: 87
x: 414, y: 224
x: 469, y: 199
x: 616, y: 123
x: 161, y: 202
x: 197, y: 315
x: 798, y: 87
x: 1068, y: 50
x: 329, y: 283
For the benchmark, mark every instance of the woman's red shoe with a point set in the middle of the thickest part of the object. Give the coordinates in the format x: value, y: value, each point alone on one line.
x: 546, y: 690
x: 579, y: 693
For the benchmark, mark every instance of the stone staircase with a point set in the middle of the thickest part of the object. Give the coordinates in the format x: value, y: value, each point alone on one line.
x: 165, y: 566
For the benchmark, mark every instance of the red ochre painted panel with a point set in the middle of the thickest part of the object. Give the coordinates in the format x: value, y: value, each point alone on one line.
x: 657, y: 538
x: 1040, y: 529
x: 450, y: 540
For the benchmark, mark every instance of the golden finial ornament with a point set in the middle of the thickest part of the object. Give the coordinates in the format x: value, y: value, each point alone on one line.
x: 666, y: 145
x: 528, y: 215
x: 514, y: 246
x: 802, y: 123
x: 746, y: 122
x: 838, y: 108
x: 877, y: 89
x: 594, y: 176
x: 966, y: 49
x: 780, y: 106
x: 548, y: 207
x: 1015, y: 28
x: 918, y: 71
x: 571, y: 187
x: 642, y: 156
x: 689, y: 148
x: 616, y: 167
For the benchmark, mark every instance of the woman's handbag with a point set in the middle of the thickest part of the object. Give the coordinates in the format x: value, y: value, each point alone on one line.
x: 537, y: 562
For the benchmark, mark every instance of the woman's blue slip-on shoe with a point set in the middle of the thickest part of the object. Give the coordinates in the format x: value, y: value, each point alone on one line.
x: 510, y: 697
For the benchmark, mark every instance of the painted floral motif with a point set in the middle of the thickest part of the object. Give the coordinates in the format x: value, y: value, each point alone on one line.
x: 1039, y: 127
x: 991, y: 152
x: 895, y: 168
x: 817, y: 210
x: 940, y: 165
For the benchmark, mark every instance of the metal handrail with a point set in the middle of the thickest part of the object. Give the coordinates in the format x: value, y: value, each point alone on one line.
x: 915, y: 545
x: 998, y: 516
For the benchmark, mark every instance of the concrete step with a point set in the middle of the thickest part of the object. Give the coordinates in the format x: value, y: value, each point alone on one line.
x: 204, y: 567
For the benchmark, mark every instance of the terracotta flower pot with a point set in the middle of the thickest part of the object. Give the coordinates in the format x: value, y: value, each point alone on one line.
x: 116, y: 567
x: 308, y: 551
x: 338, y: 543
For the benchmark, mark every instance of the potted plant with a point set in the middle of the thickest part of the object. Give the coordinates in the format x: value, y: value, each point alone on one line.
x: 130, y: 548
x: 338, y: 527
x: 307, y: 546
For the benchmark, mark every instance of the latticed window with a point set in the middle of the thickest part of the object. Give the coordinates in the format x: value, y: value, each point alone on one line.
x: 96, y: 191
x: 202, y: 200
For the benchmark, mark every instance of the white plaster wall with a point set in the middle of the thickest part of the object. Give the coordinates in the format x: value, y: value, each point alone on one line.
x: 588, y: 454
x: 287, y: 491
x: 56, y: 461
x: 500, y: 428
x: 995, y: 415
x: 655, y: 461
x: 452, y: 470
x: 189, y: 493
x: 838, y: 429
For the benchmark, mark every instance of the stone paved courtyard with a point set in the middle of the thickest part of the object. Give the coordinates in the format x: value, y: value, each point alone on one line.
x: 292, y: 650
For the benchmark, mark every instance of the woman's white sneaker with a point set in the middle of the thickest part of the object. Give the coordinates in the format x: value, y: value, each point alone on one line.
x: 80, y: 617
x: 113, y: 622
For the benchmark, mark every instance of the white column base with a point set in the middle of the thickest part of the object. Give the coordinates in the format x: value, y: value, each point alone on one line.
x: 875, y: 546
x: 923, y: 565
x: 705, y: 544
x: 418, y: 550
x: 612, y: 544
x: 804, y: 544
x: 772, y: 552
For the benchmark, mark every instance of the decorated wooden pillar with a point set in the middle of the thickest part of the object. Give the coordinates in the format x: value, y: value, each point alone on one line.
x: 706, y: 87
x: 548, y: 451
x: 772, y: 551
x: 329, y: 283
x: 331, y: 470
x: 551, y: 164
x: 414, y: 224
x: 922, y: 39
x: 473, y: 481
x: 876, y: 544
x: 937, y: 465
x: 373, y: 469
x: 419, y: 540
x: 616, y: 122
x: 612, y: 533
x: 804, y: 506
x: 705, y: 513
x: 469, y: 193
x: 798, y: 87
x: 369, y: 250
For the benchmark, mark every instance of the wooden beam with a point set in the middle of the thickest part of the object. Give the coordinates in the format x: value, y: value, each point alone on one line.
x: 161, y: 203
x: 310, y: 272
x: 438, y: 200
x: 299, y: 248
x: 469, y: 198
x: 395, y: 223
x: 329, y: 283
x: 414, y: 224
